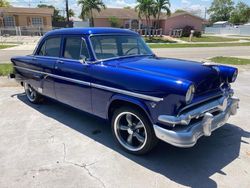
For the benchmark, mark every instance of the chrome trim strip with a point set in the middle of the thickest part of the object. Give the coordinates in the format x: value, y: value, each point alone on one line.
x: 142, y: 96
x: 200, y: 102
x: 129, y: 93
x: 55, y: 76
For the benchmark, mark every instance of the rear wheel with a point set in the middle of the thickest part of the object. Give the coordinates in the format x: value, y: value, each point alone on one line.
x: 32, y: 95
x: 133, y: 131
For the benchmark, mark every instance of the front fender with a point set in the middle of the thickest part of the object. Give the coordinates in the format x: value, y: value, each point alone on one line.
x: 143, y: 105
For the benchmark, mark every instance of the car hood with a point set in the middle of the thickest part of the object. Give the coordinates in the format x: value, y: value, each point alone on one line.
x: 205, y: 78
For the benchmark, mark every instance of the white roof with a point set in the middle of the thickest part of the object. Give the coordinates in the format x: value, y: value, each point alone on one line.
x: 247, y: 23
x: 221, y: 22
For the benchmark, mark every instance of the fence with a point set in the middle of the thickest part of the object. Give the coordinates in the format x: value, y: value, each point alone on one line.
x: 243, y: 30
x: 149, y: 32
x: 24, y: 31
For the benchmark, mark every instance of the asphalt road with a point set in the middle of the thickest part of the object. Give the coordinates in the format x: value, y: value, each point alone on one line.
x: 203, y: 53
x: 52, y: 145
x: 181, y: 53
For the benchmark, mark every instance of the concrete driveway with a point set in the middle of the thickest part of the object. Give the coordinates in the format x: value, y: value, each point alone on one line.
x: 53, y: 145
x: 197, y: 54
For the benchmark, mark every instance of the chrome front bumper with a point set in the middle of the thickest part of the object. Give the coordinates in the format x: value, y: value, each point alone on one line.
x: 186, y: 135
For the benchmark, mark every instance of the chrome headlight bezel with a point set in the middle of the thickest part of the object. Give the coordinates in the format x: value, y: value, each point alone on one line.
x: 190, y: 94
x: 234, y: 77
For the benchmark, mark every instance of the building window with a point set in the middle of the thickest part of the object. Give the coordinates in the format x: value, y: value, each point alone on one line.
x: 37, y: 21
x: 9, y: 21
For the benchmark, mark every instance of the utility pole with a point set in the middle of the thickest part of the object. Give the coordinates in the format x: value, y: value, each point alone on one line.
x: 67, y: 10
x: 205, y: 13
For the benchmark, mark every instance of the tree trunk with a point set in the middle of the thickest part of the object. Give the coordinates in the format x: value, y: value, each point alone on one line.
x: 158, y: 21
x: 92, y: 18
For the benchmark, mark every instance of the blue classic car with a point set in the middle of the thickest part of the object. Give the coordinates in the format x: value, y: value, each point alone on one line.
x: 113, y: 74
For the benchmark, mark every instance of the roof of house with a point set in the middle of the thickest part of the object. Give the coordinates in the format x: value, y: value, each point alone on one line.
x: 123, y: 13
x: 22, y: 10
x: 185, y: 13
x: 90, y: 30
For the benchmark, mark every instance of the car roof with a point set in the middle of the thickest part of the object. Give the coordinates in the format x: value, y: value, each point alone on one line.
x: 90, y: 30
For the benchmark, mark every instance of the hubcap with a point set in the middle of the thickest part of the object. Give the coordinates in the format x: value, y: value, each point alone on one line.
x: 130, y: 131
x: 30, y: 92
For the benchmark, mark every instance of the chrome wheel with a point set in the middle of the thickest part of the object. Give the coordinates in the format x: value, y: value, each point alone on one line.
x: 30, y: 92
x: 130, y: 131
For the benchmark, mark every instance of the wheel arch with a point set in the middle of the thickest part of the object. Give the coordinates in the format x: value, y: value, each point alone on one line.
x: 119, y: 101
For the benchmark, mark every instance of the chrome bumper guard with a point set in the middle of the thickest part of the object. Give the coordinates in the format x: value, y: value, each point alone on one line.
x: 188, y: 135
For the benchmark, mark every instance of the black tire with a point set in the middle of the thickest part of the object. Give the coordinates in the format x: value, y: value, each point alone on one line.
x: 145, y: 131
x: 32, y: 95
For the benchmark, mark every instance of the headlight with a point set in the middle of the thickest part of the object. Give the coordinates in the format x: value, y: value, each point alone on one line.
x: 234, y: 75
x: 190, y: 94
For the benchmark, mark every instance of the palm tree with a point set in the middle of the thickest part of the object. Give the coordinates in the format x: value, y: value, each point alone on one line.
x: 145, y: 9
x: 4, y: 3
x: 87, y: 9
x: 161, y: 5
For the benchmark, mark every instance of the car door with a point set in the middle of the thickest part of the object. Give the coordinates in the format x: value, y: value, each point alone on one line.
x: 72, y: 86
x: 45, y: 58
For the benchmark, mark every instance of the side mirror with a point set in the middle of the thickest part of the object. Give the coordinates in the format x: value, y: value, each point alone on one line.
x: 84, y: 59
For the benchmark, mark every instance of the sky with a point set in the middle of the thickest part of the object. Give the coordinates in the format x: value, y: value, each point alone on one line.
x: 196, y: 6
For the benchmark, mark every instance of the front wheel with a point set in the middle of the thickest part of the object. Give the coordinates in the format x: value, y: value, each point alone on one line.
x: 133, y: 131
x: 32, y: 95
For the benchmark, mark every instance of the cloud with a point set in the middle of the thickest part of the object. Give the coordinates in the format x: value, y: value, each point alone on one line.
x: 185, y: 2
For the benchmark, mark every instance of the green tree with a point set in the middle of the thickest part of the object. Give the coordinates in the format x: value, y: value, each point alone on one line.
x: 87, y: 9
x: 114, y: 21
x: 220, y: 10
x: 4, y: 3
x: 127, y: 7
x: 161, y: 5
x: 71, y: 13
x: 241, y: 14
x: 56, y: 16
x: 146, y: 8
x: 179, y: 11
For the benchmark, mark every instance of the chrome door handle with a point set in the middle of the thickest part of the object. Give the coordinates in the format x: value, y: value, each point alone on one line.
x: 60, y: 61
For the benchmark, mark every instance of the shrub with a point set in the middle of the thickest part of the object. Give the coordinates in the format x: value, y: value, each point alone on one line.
x: 114, y: 21
x: 197, y: 34
x: 186, y: 31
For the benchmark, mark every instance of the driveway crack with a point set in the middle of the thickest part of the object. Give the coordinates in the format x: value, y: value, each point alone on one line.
x: 84, y: 166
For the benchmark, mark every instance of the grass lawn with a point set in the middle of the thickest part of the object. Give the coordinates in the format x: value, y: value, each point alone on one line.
x: 157, y: 40
x: 185, y: 45
x: 230, y: 60
x: 211, y: 39
x: 2, y: 46
x: 5, y: 69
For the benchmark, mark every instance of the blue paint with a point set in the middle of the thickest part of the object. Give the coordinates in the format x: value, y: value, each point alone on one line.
x: 162, y: 78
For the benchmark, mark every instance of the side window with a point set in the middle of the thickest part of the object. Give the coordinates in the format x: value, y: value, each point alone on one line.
x: 75, y: 48
x: 51, y: 47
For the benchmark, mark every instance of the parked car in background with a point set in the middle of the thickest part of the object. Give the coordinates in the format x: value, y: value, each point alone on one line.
x: 113, y: 74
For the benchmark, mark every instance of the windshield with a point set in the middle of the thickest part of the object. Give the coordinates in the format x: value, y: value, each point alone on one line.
x: 111, y: 46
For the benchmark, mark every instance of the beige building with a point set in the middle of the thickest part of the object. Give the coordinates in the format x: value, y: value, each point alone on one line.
x: 25, y: 17
x: 128, y: 18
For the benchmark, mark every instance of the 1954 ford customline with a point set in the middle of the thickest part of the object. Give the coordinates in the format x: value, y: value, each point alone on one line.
x: 113, y: 74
